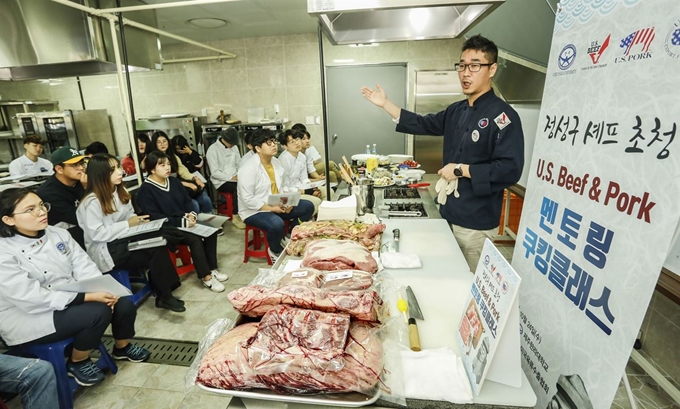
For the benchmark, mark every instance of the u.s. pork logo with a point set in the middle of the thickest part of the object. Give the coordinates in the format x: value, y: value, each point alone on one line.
x: 502, y: 120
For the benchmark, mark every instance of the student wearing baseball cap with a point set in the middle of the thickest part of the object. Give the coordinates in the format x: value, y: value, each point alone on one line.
x: 64, y: 190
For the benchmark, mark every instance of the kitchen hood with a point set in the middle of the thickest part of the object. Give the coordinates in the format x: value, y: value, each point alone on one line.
x: 41, y: 39
x: 374, y: 21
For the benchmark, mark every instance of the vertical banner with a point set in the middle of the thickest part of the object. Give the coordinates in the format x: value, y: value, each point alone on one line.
x: 602, y: 197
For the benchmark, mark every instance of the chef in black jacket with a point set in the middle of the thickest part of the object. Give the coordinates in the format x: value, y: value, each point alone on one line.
x: 64, y: 190
x: 483, y: 146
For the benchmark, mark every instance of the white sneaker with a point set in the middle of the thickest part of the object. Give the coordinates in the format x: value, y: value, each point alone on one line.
x: 238, y: 222
x: 214, y: 285
x: 284, y: 242
x: 272, y: 255
x: 219, y: 276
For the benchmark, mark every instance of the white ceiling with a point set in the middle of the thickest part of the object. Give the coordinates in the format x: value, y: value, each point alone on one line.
x: 246, y: 18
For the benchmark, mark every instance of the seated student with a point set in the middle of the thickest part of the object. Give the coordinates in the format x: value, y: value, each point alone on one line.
x: 35, y: 259
x: 191, y: 159
x: 30, y: 162
x: 95, y: 148
x: 263, y: 176
x: 128, y: 162
x: 195, y: 187
x: 64, y: 189
x: 223, y: 160
x: 249, y: 153
x: 315, y: 165
x: 295, y: 168
x: 162, y: 196
x: 32, y: 378
x: 105, y: 214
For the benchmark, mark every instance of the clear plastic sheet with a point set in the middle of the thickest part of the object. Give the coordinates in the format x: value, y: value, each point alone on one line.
x: 331, y: 255
x: 212, y: 332
x: 342, y: 280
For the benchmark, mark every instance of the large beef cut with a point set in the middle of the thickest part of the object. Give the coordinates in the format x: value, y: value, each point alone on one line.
x: 368, y: 235
x: 225, y: 365
x: 345, y: 280
x: 309, y: 277
x: 255, y: 300
x: 298, y: 340
x: 329, y: 255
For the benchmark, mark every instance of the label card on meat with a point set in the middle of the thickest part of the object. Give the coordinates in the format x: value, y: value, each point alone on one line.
x: 299, y: 274
x: 338, y: 276
x: 487, y: 351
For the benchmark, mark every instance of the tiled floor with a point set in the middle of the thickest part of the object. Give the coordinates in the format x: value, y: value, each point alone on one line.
x: 145, y: 386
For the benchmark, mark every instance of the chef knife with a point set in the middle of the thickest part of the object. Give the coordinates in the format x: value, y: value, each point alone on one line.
x: 414, y: 313
x: 397, y: 235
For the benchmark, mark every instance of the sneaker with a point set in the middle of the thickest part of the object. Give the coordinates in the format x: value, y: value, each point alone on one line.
x: 214, y: 285
x: 170, y: 303
x: 238, y: 222
x: 132, y: 353
x: 219, y: 276
x: 273, y: 255
x: 220, y: 232
x: 285, y: 241
x: 85, y: 373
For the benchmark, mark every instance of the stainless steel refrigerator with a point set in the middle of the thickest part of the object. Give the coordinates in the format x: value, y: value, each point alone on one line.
x: 435, y: 90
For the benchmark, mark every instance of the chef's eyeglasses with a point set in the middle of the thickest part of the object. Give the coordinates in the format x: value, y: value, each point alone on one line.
x: 35, y: 211
x: 474, y: 67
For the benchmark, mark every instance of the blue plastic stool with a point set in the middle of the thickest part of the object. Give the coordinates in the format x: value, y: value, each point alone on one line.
x: 123, y: 277
x: 54, y: 353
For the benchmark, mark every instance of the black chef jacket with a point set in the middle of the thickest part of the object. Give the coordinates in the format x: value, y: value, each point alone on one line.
x: 488, y: 136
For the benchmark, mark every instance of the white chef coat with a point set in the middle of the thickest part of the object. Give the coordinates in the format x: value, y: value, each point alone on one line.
x: 254, y: 185
x: 313, y: 154
x: 24, y: 166
x: 246, y: 156
x: 223, y: 163
x: 31, y: 267
x: 295, y: 171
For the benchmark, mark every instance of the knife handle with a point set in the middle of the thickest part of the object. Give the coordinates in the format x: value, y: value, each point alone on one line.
x: 413, y: 336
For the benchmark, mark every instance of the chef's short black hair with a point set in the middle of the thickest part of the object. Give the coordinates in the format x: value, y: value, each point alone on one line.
x: 483, y: 44
x: 283, y: 136
x: 8, y: 204
x: 261, y: 136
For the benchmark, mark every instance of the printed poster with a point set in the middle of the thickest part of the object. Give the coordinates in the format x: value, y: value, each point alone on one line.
x: 489, y: 306
x: 602, y: 197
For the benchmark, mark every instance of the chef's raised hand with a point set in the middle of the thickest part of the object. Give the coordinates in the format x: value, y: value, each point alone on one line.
x: 377, y: 96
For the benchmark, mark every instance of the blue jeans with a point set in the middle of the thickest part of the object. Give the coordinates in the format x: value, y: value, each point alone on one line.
x: 32, y: 378
x: 202, y: 204
x: 273, y: 226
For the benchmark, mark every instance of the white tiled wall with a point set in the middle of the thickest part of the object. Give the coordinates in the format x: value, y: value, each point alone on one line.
x: 281, y: 70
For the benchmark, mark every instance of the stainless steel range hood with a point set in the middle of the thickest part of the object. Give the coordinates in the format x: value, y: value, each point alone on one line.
x: 371, y: 21
x: 41, y: 39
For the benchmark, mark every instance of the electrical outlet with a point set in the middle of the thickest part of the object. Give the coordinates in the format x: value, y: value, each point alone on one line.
x: 309, y: 120
x: 317, y: 120
x: 276, y: 108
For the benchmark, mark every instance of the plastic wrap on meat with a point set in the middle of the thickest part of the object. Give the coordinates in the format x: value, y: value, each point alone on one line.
x: 295, y: 340
x: 255, y: 300
x: 225, y: 365
x: 330, y: 255
x: 363, y: 366
x: 368, y: 235
x: 346, y: 280
x: 309, y: 277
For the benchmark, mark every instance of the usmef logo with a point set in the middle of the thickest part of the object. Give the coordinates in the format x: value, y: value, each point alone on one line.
x: 672, y: 44
x: 596, y: 49
x: 644, y: 37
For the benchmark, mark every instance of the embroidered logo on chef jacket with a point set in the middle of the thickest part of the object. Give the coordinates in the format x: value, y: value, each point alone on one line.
x: 63, y: 249
x: 483, y: 123
x: 37, y: 244
x: 43, y: 169
x: 502, y: 120
x: 475, y: 135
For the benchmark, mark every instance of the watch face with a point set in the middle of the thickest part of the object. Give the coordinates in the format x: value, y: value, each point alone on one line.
x: 458, y: 172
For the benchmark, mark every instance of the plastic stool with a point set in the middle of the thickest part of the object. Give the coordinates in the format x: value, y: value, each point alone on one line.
x: 259, y: 238
x: 54, y: 353
x: 228, y: 207
x: 185, y: 255
x: 123, y: 277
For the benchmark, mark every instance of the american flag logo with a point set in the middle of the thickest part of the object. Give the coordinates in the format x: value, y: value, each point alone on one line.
x: 643, y: 36
x: 675, y: 37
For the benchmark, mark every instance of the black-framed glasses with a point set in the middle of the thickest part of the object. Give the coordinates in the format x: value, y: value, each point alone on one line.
x: 80, y: 164
x: 270, y: 142
x: 35, y: 210
x: 474, y: 67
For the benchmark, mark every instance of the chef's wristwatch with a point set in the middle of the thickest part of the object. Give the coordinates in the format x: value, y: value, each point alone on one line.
x: 458, y: 171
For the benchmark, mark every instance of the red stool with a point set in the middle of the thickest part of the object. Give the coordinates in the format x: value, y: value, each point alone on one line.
x: 184, y: 255
x: 259, y: 238
x: 228, y: 207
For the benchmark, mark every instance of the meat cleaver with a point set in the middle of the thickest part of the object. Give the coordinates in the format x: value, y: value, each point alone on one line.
x: 414, y: 313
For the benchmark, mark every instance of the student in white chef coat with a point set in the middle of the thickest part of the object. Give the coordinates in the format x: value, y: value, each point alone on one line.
x: 30, y: 162
x: 35, y: 259
x: 223, y: 161
x: 105, y: 214
x: 294, y: 164
x: 261, y: 177
x: 315, y: 164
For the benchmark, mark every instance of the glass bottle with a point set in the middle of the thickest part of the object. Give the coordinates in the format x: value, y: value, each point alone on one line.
x: 375, y: 149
